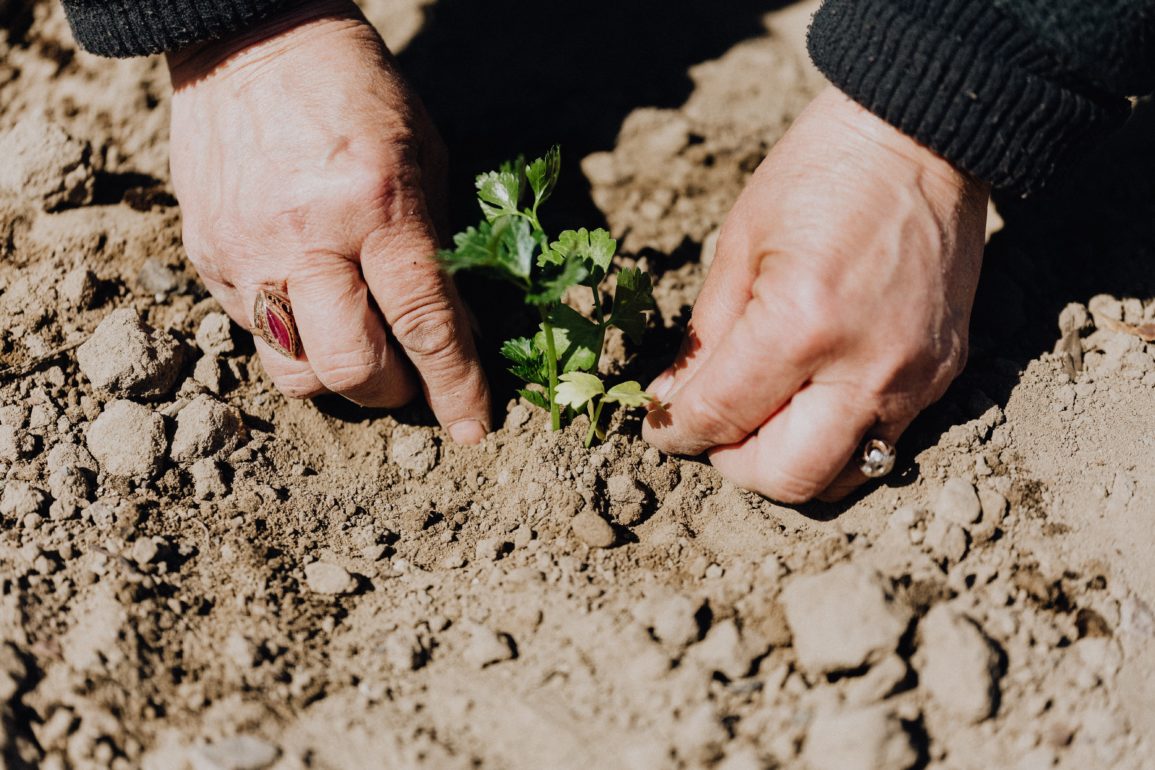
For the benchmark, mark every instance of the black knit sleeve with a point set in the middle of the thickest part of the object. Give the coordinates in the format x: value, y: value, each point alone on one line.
x: 138, y: 27
x: 1007, y: 90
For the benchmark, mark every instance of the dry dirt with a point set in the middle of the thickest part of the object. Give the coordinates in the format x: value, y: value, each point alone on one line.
x: 196, y: 573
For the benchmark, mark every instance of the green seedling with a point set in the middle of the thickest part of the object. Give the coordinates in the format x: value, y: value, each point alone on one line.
x: 511, y: 245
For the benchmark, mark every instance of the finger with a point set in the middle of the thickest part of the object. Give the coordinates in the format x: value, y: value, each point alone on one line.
x: 428, y: 321
x: 724, y: 295
x: 747, y: 377
x: 851, y: 477
x: 802, y: 449
x: 344, y: 335
x: 294, y: 378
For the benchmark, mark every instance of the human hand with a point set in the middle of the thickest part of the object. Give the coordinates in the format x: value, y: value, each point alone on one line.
x: 837, y: 306
x: 303, y: 164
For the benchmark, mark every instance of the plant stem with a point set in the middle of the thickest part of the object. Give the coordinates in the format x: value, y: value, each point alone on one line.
x: 595, y: 418
x: 551, y: 368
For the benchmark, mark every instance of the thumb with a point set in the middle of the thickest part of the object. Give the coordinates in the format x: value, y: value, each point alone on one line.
x: 724, y: 296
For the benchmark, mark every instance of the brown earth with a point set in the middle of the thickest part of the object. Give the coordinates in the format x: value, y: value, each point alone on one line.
x: 197, y: 573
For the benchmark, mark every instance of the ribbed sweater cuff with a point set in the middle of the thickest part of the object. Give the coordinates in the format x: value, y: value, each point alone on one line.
x: 963, y: 79
x: 124, y: 28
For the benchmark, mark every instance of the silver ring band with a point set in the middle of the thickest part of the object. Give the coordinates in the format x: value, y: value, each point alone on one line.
x: 877, y: 458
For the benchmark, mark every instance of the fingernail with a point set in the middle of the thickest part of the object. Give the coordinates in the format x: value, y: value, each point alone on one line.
x: 467, y: 432
x: 660, y: 387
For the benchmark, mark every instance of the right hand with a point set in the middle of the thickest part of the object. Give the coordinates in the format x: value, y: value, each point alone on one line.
x: 303, y: 164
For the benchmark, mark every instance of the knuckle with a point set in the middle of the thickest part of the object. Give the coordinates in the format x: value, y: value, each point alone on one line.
x: 428, y: 330
x: 299, y: 385
x: 344, y: 373
x: 789, y: 486
x: 704, y: 416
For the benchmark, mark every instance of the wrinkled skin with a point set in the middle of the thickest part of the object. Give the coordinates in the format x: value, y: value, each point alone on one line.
x: 837, y: 306
x: 303, y: 164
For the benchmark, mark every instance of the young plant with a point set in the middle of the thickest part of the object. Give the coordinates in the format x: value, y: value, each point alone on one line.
x: 511, y: 245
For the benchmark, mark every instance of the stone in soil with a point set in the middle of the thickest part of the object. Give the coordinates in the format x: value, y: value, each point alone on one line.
x: 43, y: 163
x: 487, y: 647
x: 593, y: 530
x: 127, y: 357
x: 675, y: 620
x: 416, y: 452
x: 208, y: 479
x: 723, y: 651
x: 864, y: 739
x: 20, y: 499
x: 204, y: 427
x: 15, y: 444
x: 324, y: 577
x: 242, y: 752
x: 958, y: 503
x: 627, y: 499
x: 404, y: 650
x: 215, y: 335
x: 78, y: 289
x: 842, y: 619
x: 128, y: 439
x: 946, y: 540
x: 957, y: 664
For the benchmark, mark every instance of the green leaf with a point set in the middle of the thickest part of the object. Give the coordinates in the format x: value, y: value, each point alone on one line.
x: 628, y: 394
x: 596, y: 249
x: 542, y: 175
x: 516, y: 246
x: 504, y: 248
x: 577, y: 340
x: 633, y: 297
x: 499, y: 192
x: 473, y: 250
x: 528, y: 362
x: 535, y: 397
x: 578, y: 388
x: 550, y: 288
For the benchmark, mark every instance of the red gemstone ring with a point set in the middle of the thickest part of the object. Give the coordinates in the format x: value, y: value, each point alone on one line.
x: 273, y: 320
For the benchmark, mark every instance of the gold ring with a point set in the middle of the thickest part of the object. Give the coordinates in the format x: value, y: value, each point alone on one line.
x: 273, y: 321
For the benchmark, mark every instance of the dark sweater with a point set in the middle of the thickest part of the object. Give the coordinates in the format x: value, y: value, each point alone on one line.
x: 1008, y: 90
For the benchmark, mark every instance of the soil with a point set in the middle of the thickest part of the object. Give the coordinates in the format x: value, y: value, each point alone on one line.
x: 197, y: 573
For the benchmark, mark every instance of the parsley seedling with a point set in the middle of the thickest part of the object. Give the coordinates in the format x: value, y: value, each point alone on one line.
x: 511, y: 245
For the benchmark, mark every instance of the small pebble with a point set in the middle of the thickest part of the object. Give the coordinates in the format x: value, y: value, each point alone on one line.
x: 487, y: 647
x: 593, y: 530
x: 244, y: 752
x: 324, y: 577
x: 958, y: 503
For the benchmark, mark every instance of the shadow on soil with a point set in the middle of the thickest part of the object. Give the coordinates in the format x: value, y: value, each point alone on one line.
x: 504, y: 77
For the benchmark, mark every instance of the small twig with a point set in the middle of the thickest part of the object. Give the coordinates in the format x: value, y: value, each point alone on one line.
x: 23, y: 371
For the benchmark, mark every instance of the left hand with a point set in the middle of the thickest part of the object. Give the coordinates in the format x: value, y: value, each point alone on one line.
x: 837, y: 307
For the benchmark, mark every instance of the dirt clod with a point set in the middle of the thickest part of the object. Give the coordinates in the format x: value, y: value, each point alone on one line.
x: 242, y: 752
x: 204, y: 427
x: 842, y: 619
x: 958, y: 503
x: 42, y: 162
x: 128, y: 439
x: 866, y: 739
x: 127, y: 357
x: 593, y: 530
x: 487, y: 647
x: 959, y: 667
x: 324, y: 577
